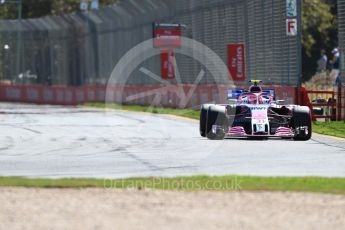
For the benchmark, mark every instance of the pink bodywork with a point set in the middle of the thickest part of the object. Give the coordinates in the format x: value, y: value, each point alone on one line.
x: 257, y: 100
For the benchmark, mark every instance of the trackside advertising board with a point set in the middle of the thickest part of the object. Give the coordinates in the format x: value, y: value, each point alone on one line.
x: 236, y: 62
x: 168, y: 64
x: 166, y: 35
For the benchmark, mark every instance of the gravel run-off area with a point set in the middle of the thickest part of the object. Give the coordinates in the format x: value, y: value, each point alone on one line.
x: 97, y: 208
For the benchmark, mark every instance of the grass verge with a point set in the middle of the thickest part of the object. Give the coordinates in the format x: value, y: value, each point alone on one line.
x: 333, y: 128
x: 190, y: 113
x: 193, y: 183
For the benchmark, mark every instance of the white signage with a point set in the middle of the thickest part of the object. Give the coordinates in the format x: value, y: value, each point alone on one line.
x: 94, y: 5
x: 291, y: 27
x: 84, y: 5
x: 291, y: 8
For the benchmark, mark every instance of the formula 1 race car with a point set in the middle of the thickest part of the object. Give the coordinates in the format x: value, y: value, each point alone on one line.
x: 255, y: 113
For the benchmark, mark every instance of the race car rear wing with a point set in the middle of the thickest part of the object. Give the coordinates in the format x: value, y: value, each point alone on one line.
x: 235, y: 93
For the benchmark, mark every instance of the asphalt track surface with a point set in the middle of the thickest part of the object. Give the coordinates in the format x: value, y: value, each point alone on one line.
x: 57, y: 141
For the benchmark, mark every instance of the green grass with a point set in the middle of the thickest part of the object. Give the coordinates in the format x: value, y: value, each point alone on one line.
x: 189, y: 113
x: 193, y: 183
x: 333, y: 128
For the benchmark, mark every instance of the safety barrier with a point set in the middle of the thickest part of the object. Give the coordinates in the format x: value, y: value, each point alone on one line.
x: 327, y: 107
x: 57, y: 95
x: 324, y: 104
x: 184, y: 96
x: 174, y: 96
x: 341, y: 103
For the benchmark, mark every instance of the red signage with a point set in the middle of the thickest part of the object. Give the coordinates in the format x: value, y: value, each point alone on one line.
x: 168, y: 64
x: 167, y: 35
x: 236, y: 62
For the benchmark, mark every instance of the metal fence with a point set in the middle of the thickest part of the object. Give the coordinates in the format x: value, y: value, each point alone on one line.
x: 341, y: 36
x: 83, y: 48
x: 341, y: 31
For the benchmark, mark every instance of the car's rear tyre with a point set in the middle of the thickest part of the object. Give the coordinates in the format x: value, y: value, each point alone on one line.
x: 202, y: 120
x: 301, y: 118
x: 216, y: 115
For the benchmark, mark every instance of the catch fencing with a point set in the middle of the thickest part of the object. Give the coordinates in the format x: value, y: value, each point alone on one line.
x: 84, y: 47
x: 341, y: 33
x: 341, y: 36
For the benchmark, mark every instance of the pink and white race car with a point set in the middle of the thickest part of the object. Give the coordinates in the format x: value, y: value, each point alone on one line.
x: 255, y: 114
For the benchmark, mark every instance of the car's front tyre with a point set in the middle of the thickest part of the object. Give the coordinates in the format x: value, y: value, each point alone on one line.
x: 202, y: 120
x: 301, y: 123
x: 216, y: 122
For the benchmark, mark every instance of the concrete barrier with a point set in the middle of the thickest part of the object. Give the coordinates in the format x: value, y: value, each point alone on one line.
x: 183, y: 96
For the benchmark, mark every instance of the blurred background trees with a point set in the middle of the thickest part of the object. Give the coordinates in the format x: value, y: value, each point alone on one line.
x: 320, y: 31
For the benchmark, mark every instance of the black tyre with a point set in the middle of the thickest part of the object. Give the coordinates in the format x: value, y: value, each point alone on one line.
x: 232, y: 110
x: 301, y: 118
x: 202, y: 120
x: 216, y: 115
